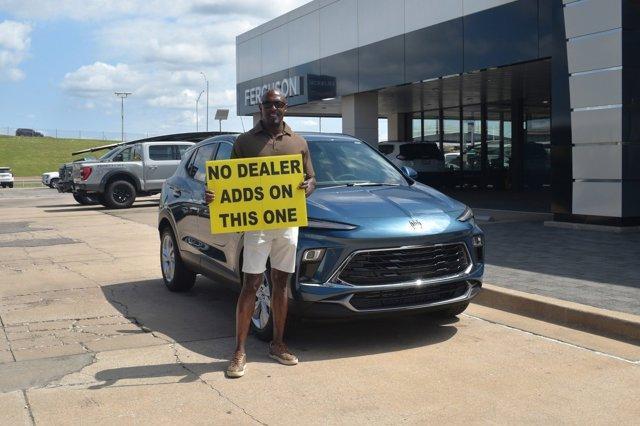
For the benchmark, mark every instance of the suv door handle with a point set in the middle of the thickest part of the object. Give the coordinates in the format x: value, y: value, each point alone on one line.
x: 153, y: 167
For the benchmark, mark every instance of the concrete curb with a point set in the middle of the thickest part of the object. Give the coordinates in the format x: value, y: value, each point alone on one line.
x: 616, y: 325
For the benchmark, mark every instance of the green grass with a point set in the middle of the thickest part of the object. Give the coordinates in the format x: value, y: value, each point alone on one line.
x: 33, y: 156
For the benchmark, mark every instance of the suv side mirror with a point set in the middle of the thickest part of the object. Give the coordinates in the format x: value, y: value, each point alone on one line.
x: 408, y: 171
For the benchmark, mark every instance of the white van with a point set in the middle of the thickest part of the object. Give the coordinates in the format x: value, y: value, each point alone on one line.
x: 424, y: 157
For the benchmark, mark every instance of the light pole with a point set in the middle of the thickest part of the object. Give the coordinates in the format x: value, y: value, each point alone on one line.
x: 207, y: 82
x: 122, y: 95
x: 197, y: 115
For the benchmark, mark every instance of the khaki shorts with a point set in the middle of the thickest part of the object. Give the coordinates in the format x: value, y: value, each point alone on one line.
x: 278, y: 244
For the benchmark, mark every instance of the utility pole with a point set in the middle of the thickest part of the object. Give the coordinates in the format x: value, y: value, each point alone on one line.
x: 207, y: 83
x: 197, y: 115
x: 122, y: 95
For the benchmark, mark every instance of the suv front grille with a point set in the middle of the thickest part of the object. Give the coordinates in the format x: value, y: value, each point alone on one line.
x: 408, y: 296
x: 404, y: 265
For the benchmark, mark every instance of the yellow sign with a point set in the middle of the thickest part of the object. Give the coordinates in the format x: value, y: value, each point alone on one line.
x: 256, y: 193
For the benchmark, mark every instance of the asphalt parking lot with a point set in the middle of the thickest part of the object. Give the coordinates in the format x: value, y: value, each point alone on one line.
x: 89, y: 335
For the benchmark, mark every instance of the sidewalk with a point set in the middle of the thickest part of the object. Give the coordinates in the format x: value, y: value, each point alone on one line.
x: 593, y: 268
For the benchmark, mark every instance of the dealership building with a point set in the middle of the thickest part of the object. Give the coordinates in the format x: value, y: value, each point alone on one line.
x: 518, y: 94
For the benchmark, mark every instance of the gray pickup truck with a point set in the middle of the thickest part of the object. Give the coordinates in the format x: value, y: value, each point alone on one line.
x: 127, y: 171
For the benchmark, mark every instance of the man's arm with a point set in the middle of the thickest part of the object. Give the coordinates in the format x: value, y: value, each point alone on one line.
x: 309, y: 184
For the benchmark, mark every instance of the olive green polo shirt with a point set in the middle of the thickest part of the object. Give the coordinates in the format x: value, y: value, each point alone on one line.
x: 258, y: 142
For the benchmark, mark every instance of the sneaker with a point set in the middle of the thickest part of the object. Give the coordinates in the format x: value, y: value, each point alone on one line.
x: 281, y: 353
x: 237, y: 365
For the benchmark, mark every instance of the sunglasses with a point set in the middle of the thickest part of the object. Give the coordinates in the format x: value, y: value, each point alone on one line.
x: 278, y: 104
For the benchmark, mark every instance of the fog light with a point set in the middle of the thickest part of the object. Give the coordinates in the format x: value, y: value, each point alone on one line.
x: 313, y: 255
x: 478, y: 241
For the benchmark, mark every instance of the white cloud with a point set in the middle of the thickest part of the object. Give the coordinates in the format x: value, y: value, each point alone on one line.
x: 99, y: 79
x: 155, y: 49
x: 102, y: 10
x: 14, y: 46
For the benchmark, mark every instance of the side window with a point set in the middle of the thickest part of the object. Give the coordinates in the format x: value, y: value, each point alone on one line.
x: 179, y: 150
x: 197, y: 169
x: 162, y: 152
x: 124, y: 155
x: 224, y: 151
x: 137, y: 154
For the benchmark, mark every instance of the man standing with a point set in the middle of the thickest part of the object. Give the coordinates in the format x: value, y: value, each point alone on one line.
x: 271, y: 136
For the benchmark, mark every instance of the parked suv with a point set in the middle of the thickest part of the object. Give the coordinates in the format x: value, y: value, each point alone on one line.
x: 424, y: 157
x: 377, y: 240
x: 135, y: 170
x: 28, y: 132
x: 50, y: 179
x: 6, y: 177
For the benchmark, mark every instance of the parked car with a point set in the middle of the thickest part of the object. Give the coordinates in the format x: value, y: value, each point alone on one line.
x: 423, y: 157
x: 28, y: 132
x: 50, y: 179
x: 6, y: 177
x: 377, y: 241
x: 137, y: 169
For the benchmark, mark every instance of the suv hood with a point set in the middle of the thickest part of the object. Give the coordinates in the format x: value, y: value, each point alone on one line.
x: 357, y: 205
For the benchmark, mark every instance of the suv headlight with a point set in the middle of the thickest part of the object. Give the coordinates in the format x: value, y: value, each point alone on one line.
x: 325, y: 224
x: 466, y: 215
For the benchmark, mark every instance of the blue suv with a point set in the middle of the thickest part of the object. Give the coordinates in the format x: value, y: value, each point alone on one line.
x: 377, y: 241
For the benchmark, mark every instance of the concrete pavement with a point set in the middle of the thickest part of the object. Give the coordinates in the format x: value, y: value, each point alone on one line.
x: 89, y: 335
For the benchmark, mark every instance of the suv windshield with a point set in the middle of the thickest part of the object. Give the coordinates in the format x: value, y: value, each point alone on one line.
x: 350, y: 161
x: 5, y: 170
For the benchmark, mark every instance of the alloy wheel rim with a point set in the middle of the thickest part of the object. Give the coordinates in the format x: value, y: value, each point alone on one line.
x: 262, y: 308
x: 121, y: 194
x: 168, y: 257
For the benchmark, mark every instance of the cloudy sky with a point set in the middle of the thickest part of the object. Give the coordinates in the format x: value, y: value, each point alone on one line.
x: 61, y: 61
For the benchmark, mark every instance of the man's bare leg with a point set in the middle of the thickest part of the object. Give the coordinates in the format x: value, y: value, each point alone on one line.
x: 245, y: 308
x: 279, y: 303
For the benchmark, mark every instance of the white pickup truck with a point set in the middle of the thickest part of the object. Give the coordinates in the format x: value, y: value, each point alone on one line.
x: 137, y: 169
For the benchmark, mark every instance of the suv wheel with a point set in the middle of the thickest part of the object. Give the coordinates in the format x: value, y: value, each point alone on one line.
x: 262, y: 319
x: 84, y: 199
x: 53, y: 183
x: 11, y: 185
x: 176, y: 276
x: 120, y: 194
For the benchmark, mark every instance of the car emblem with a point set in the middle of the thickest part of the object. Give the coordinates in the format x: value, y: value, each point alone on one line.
x: 415, y: 224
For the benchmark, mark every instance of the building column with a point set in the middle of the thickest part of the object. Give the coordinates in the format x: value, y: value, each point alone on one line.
x: 360, y: 116
x: 602, y: 82
x: 398, y: 127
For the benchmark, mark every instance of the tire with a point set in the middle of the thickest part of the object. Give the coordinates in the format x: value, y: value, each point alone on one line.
x: 120, y: 194
x: 176, y: 276
x: 53, y: 183
x: 84, y: 199
x: 452, y: 310
x: 11, y: 185
x: 262, y: 318
x: 4, y: 185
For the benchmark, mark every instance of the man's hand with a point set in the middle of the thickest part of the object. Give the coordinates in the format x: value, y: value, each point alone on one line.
x: 308, y: 185
x: 209, y: 196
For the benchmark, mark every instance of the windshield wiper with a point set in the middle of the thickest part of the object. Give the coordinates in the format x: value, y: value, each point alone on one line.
x: 372, y: 184
x: 350, y: 184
